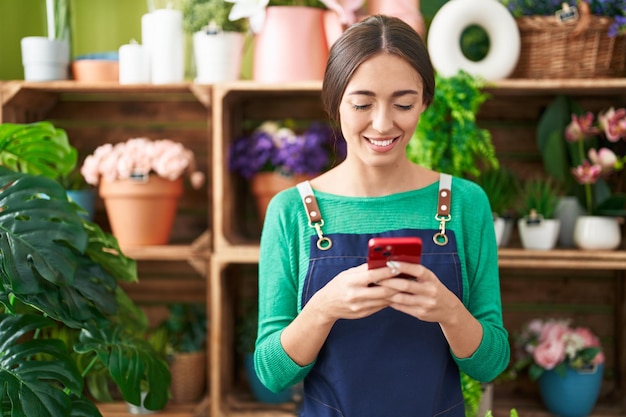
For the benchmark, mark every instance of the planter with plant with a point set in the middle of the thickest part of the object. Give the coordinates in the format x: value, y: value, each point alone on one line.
x: 291, y: 35
x: 218, y: 42
x: 447, y: 137
x: 181, y: 338
x: 46, y: 58
x: 586, y: 39
x: 586, y: 153
x: 566, y: 360
x: 277, y: 155
x: 141, y: 181
x: 61, y: 271
x: 502, y: 187
x: 537, y: 225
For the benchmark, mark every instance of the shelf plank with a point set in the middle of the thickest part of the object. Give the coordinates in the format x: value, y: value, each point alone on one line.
x: 120, y: 409
x: 562, y: 259
x: 166, y: 253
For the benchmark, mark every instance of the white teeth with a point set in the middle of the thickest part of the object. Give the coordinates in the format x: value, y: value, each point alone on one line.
x: 386, y: 142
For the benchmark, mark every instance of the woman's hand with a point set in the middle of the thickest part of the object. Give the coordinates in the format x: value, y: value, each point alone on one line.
x: 354, y: 293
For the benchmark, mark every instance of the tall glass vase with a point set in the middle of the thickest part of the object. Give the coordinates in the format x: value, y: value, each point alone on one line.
x: 573, y: 394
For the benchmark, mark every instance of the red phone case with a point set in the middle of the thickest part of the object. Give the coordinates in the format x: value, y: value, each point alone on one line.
x: 383, y: 249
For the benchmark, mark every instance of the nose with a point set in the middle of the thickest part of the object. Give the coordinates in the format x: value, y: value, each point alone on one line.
x: 382, y: 120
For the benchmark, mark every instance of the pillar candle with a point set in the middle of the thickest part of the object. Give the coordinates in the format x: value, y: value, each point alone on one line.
x: 167, y: 59
x: 147, y: 42
x: 132, y: 64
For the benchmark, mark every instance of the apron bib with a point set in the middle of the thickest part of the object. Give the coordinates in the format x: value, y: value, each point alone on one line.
x: 389, y: 364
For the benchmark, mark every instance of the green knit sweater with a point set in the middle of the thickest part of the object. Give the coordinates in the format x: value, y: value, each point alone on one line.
x: 284, y: 262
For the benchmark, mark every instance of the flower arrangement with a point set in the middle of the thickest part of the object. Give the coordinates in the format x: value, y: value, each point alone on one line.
x: 254, y: 10
x: 275, y: 146
x: 555, y: 344
x: 138, y: 158
x: 599, y: 138
x: 609, y: 8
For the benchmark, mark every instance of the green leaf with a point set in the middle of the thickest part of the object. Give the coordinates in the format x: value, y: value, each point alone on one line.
x: 35, y: 372
x: 36, y: 148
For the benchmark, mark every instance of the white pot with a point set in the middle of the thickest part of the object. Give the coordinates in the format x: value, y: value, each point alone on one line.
x: 541, y: 235
x: 217, y: 56
x: 503, y: 227
x: 597, y: 233
x: 139, y: 409
x: 567, y: 211
x: 45, y: 59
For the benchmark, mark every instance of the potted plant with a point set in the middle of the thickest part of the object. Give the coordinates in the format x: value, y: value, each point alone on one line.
x: 586, y: 153
x: 46, y: 58
x: 280, y: 154
x: 80, y: 192
x: 140, y: 181
x: 590, y: 30
x: 566, y: 360
x: 282, y: 30
x: 502, y: 187
x: 181, y: 337
x: 217, y: 40
x: 537, y: 226
x: 447, y: 137
x: 246, y: 333
x: 71, y: 281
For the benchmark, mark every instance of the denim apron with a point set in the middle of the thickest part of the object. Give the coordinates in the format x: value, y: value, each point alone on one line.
x: 389, y: 364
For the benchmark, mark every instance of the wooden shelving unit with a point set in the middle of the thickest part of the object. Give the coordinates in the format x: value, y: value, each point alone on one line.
x: 216, y: 232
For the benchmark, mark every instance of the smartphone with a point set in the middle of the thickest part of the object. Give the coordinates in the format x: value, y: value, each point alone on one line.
x: 403, y: 249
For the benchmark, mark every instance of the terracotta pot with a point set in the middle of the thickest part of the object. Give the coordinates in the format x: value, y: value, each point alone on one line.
x: 95, y: 70
x: 291, y: 46
x: 141, y: 213
x: 265, y: 185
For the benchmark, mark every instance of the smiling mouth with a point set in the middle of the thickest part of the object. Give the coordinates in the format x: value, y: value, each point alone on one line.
x: 381, y: 143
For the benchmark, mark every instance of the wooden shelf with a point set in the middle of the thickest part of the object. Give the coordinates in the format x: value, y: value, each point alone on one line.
x: 120, y: 409
x: 562, y: 259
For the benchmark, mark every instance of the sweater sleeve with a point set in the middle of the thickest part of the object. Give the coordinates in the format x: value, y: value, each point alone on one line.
x: 482, y: 295
x: 278, y: 294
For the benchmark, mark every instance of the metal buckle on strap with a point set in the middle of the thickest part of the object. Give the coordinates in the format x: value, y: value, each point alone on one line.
x: 313, y: 213
x: 443, y: 209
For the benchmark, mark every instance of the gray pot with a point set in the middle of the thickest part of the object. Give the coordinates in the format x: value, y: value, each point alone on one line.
x: 45, y: 59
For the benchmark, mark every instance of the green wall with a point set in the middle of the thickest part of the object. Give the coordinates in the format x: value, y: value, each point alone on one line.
x: 97, y: 26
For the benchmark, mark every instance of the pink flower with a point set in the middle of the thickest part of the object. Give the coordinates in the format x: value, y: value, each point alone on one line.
x: 613, y: 123
x: 581, y: 127
x: 549, y: 353
x: 604, y: 157
x: 587, y: 173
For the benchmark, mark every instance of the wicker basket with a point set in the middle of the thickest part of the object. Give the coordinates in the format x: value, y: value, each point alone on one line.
x: 549, y: 49
x: 189, y: 374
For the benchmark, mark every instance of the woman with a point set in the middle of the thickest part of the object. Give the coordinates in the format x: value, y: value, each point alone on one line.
x: 366, y: 342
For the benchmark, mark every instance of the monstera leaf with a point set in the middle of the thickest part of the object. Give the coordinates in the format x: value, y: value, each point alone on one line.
x: 38, y: 376
x: 132, y: 363
x: 36, y: 148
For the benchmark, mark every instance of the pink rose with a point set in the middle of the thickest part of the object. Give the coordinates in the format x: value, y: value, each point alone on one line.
x: 549, y: 353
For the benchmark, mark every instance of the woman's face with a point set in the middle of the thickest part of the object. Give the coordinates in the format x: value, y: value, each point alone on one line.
x: 380, y: 109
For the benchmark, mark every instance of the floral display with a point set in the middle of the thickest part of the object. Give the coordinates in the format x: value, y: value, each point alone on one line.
x: 609, y: 8
x: 546, y: 344
x: 599, y: 138
x: 275, y: 146
x: 254, y: 10
x: 140, y: 157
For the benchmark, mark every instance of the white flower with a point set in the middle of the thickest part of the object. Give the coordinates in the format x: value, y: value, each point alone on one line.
x: 254, y: 10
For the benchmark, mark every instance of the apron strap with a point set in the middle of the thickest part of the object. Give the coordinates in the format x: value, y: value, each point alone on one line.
x: 443, y: 208
x: 313, y: 213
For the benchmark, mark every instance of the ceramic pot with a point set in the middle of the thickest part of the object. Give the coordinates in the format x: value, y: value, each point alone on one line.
x: 597, y: 233
x: 265, y: 185
x: 86, y: 199
x: 407, y: 10
x: 45, y: 59
x: 540, y: 235
x: 503, y: 227
x: 139, y: 409
x: 141, y: 212
x: 291, y: 46
x: 217, y: 56
x: 572, y: 395
x: 567, y: 211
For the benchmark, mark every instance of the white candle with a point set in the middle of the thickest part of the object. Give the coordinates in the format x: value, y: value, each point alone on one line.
x: 167, y: 58
x: 132, y: 62
x: 147, y: 43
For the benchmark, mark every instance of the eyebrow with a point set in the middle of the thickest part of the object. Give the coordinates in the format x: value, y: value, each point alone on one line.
x: 399, y: 93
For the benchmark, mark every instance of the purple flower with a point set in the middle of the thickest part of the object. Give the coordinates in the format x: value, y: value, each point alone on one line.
x: 274, y: 148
